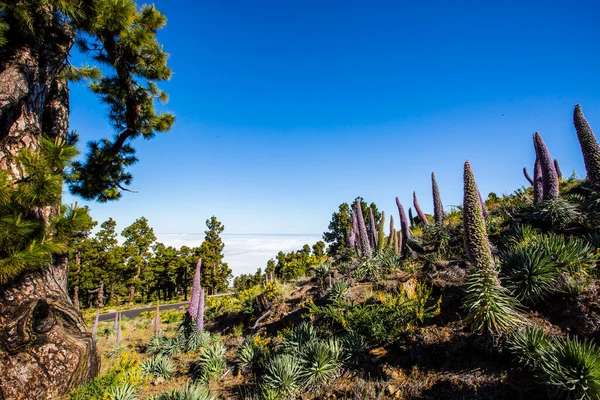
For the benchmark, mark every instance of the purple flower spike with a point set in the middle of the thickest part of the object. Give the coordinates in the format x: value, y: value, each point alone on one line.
x: 403, y: 223
x: 438, y: 208
x: 392, y: 237
x: 484, y: 210
x: 398, y: 242
x: 353, y: 231
x: 549, y: 176
x: 477, y: 245
x: 193, y: 307
x: 538, y: 182
x: 116, y: 323
x: 157, y: 320
x: 362, y: 230
x: 118, y: 317
x: 527, y: 176
x: 372, y: 229
x: 589, y: 145
x: 95, y: 327
x: 420, y: 212
x: 200, y: 314
x: 557, y: 168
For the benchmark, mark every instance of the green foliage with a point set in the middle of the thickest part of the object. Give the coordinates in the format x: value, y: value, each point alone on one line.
x: 298, y: 337
x: 338, y: 291
x: 159, y: 365
x: 529, y: 273
x: 490, y: 306
x: 321, y: 362
x: 211, y: 364
x: 196, y: 340
x: 569, y: 367
x: 28, y: 238
x: 572, y: 368
x: 555, y: 214
x: 121, y: 392
x: 190, y: 391
x: 252, y: 354
x: 215, y: 273
x: 282, y: 376
x: 382, y: 322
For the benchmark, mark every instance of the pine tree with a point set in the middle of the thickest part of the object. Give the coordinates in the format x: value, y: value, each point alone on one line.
x: 139, y: 238
x: 215, y: 273
x: 36, y: 41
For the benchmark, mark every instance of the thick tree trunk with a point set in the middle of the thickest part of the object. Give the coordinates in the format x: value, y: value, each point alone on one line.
x: 45, y: 348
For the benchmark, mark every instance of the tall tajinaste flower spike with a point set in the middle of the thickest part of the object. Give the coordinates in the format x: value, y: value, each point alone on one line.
x: 398, y: 242
x: 118, y: 317
x: 193, y: 307
x: 372, y: 230
x: 527, y: 176
x: 157, y: 320
x: 410, y: 217
x: 484, y: 210
x: 392, y: 236
x: 200, y: 313
x: 438, y: 208
x: 116, y: 323
x: 551, y: 185
x: 538, y: 181
x: 557, y: 168
x: 95, y: 327
x: 381, y: 231
x: 363, y: 239
x: 589, y: 145
x: 353, y: 231
x: 403, y: 223
x: 420, y: 212
x: 477, y: 244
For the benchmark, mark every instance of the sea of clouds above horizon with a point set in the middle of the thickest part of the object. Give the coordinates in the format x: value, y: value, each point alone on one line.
x: 245, y: 252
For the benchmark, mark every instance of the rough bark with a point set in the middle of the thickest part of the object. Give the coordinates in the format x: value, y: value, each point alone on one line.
x: 45, y: 348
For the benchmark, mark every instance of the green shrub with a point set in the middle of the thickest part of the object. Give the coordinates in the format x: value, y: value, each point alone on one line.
x: 211, y: 363
x: 529, y: 272
x: 252, y: 354
x: 282, y: 376
x: 321, y: 362
x: 187, y: 392
x: 572, y: 368
x: 121, y: 392
x: 159, y: 365
x: 555, y: 214
x: 338, y: 291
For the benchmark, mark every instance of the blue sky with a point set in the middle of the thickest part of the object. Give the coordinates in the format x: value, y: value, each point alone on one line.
x: 285, y: 109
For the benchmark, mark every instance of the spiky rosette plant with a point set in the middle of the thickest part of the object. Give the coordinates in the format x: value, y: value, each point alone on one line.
x: 363, y: 239
x: 420, y: 212
x: 438, y: 207
x: 538, y: 181
x: 372, y: 230
x: 557, y: 168
x: 549, y: 176
x: 527, y: 176
x: 490, y: 307
x: 589, y: 145
x: 200, y: 313
x: 403, y: 222
x: 381, y: 232
x: 195, y: 298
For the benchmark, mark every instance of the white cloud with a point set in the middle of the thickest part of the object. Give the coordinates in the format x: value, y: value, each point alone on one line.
x: 245, y: 253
